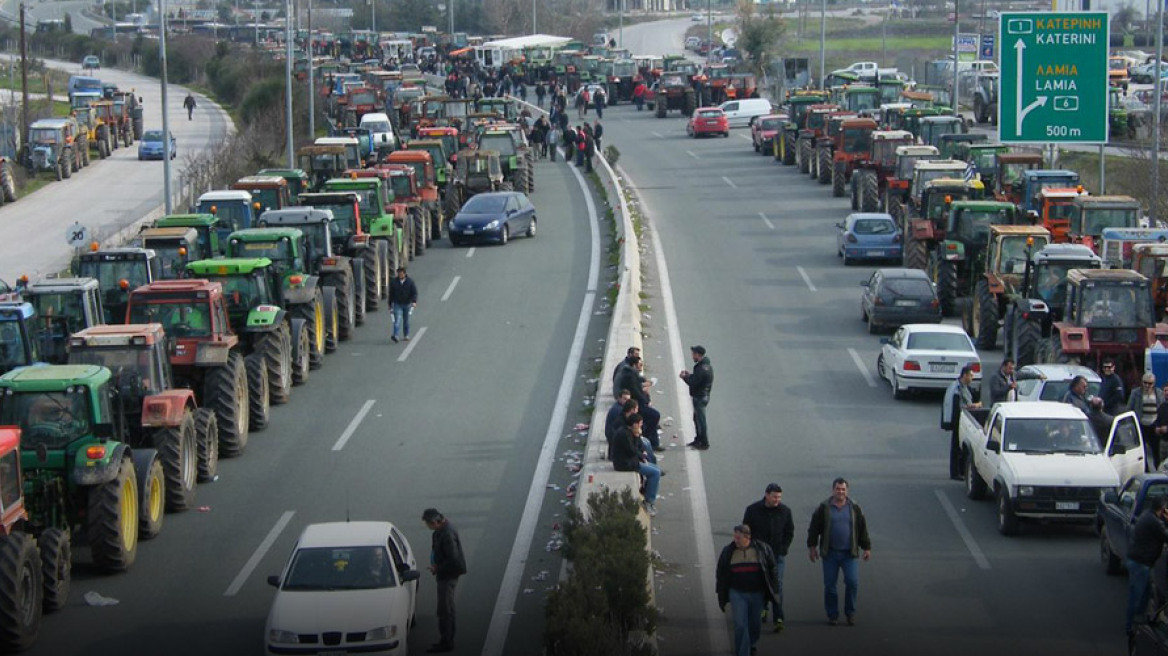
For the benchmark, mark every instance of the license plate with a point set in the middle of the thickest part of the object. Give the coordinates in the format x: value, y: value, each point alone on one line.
x: 1066, y: 505
x: 468, y: 232
x: 875, y: 253
x: 942, y: 368
x: 906, y: 304
x: 331, y: 653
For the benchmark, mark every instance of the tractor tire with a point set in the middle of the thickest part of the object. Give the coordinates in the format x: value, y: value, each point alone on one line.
x: 56, y: 568
x: 70, y: 162
x: 7, y: 183
x: 1054, y: 351
x: 372, y: 263
x: 945, y: 278
x: 85, y: 154
x: 75, y: 160
x: 275, y: 348
x: 804, y: 150
x: 113, y: 139
x: 660, y: 108
x: 358, y: 274
x: 854, y: 192
x: 420, y: 218
x: 127, y: 138
x: 207, y: 437
x: 225, y: 392
x: 506, y: 186
x: 1024, y: 340
x: 985, y: 316
x: 331, y: 319
x: 823, y: 166
x: 20, y: 603
x: 895, y: 209
x: 979, y: 113
x: 112, y: 520
x: 690, y: 105
x: 301, y: 355
x: 259, y: 407
x: 314, y: 318
x: 178, y: 449
x: 60, y: 170
x: 452, y: 202
x: 839, y: 179
x: 869, y: 192
x: 388, y: 257
x: 102, y: 143
x: 788, y: 152
x: 346, y: 304
x: 152, y: 488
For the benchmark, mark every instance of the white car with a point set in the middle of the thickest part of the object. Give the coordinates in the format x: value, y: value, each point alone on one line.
x: 1050, y: 382
x: 347, y: 587
x: 925, y: 356
x: 382, y: 130
x: 697, y: 18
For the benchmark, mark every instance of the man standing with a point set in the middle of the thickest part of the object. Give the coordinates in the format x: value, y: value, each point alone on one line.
x: 958, y: 397
x: 598, y: 135
x: 699, y: 382
x: 771, y: 523
x: 1091, y: 406
x: 1111, y: 389
x: 839, y: 535
x: 747, y: 579
x: 1148, y: 537
x: 447, y: 563
x: 1001, y: 386
x: 403, y: 294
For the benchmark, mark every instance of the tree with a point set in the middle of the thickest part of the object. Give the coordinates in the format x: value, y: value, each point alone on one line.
x: 759, y: 35
x: 1124, y: 18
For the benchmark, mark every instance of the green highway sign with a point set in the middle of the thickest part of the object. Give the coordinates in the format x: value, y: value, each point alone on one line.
x: 1053, y: 77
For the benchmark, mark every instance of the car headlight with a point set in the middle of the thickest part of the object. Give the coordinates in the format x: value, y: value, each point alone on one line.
x: 1025, y: 490
x: 278, y: 637
x: 492, y: 225
x: 382, y: 633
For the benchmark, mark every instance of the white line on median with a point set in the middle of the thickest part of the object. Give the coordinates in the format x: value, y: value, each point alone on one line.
x: 691, y: 154
x: 966, y: 536
x: 413, y: 342
x: 863, y: 368
x: 730, y: 182
x: 513, y: 576
x: 470, y: 252
x: 450, y: 289
x: 259, y: 554
x: 352, y: 427
x: 806, y: 278
x: 766, y: 220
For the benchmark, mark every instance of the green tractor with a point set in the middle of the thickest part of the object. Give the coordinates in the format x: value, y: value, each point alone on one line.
x: 515, y: 156
x: 797, y: 107
x: 381, y: 220
x: 999, y: 278
x: 955, y: 260
x: 206, y: 226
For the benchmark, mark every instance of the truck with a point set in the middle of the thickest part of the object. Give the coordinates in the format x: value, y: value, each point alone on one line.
x: 867, y: 70
x: 1043, y: 460
x: 1116, y: 516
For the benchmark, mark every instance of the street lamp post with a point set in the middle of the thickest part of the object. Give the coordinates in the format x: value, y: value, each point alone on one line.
x: 1157, y: 95
x: 621, y: 33
x: 710, y: 29
x: 311, y: 80
x: 288, y: 80
x: 822, y: 44
x: 533, y: 30
x: 373, y: 15
x: 165, y: 108
x: 955, y: 30
x: 450, y: 9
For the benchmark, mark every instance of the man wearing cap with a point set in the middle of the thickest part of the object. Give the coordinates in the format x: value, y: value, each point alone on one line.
x: 746, y: 578
x: 699, y: 381
x: 771, y: 523
x: 447, y: 563
x: 958, y: 397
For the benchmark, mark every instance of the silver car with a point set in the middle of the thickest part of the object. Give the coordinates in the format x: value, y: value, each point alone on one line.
x: 1050, y: 382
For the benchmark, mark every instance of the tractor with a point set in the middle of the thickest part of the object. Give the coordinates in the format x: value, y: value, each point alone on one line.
x: 97, y: 133
x: 207, y: 237
x: 382, y: 217
x: 23, y: 591
x: 1008, y: 179
x: 297, y: 179
x: 983, y: 156
x: 234, y: 209
x: 950, y: 144
x: 674, y: 92
x: 1109, y: 314
x: 870, y: 179
x: 1003, y: 268
x: 1034, y: 182
x: 797, y: 107
x: 924, y: 228
x: 954, y: 261
x: 985, y: 97
x: 862, y: 100
x: 1091, y: 215
x: 1041, y: 299
x: 515, y: 155
x: 205, y: 356
x: 449, y: 136
x: 51, y: 147
x: 268, y: 192
x: 477, y: 171
x: 118, y: 272
x: 923, y: 173
x: 323, y: 163
x: 935, y: 127
x: 441, y: 158
x: 351, y: 239
x: 423, y: 166
x: 895, y: 195
x: 710, y: 85
x: 174, y: 247
x: 18, y: 340
x: 1150, y: 261
x: 811, y: 130
x: 111, y: 117
x: 825, y: 146
x: 853, y: 144
x: 1053, y: 211
x: 63, y: 306
x: 131, y: 106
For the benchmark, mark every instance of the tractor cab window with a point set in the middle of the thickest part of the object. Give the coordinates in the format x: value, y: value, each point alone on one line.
x: 1093, y: 221
x: 974, y: 225
x: 9, y: 479
x: 42, y: 136
x: 1012, y: 256
x: 110, y: 273
x: 278, y: 251
x: 1060, y: 212
x: 172, y: 264
x: 233, y: 215
x: 51, y: 419
x: 1115, y: 306
x: 1050, y: 282
x: 400, y: 185
x: 857, y: 140
x: 59, y: 312
x: 11, y: 346
x: 499, y: 142
x: 179, y: 319
x: 119, y: 360
x: 242, y: 293
x: 317, y: 235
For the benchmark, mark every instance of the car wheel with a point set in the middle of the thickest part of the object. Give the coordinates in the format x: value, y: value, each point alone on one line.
x: 880, y: 366
x: 863, y: 312
x: 531, y: 228
x: 506, y: 234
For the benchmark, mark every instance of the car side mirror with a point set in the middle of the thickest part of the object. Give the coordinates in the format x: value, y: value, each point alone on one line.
x: 274, y: 580
x: 1109, y: 496
x: 996, y: 447
x: 883, y: 340
x: 840, y: 225
x: 412, y: 575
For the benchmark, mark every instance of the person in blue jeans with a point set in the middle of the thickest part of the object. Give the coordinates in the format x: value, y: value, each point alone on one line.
x: 746, y: 578
x: 1148, y: 537
x: 838, y: 535
x: 403, y: 296
x: 771, y: 522
x: 628, y: 456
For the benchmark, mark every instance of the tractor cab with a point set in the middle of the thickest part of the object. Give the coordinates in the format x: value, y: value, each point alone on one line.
x: 118, y: 272
x: 234, y: 209
x: 970, y: 222
x: 1011, y: 247
x: 206, y: 245
x: 982, y: 156
x: 908, y: 156
x: 63, y: 307
x: 1034, y: 182
x: 1009, y: 183
x: 935, y: 127
x: 940, y: 193
x: 1055, y: 208
x: 477, y: 171
x: 1050, y: 268
x: 1091, y: 215
x: 948, y: 144
x: 354, y: 157
x: 322, y: 163
x: 1151, y: 261
x: 297, y: 179
x: 862, y: 99
x: 287, y: 248
x: 136, y: 356
x: 18, y: 343
x: 243, y: 283
x: 925, y: 171
x: 318, y: 225
x: 268, y: 192
x: 174, y: 248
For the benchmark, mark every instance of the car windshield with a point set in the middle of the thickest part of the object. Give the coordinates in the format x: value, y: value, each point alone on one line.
x: 153, y: 135
x: 914, y: 288
x: 1050, y: 436
x: 1095, y: 220
x: 482, y: 204
x: 339, y: 568
x: 938, y: 342
x: 771, y: 123
x: 179, y: 319
x: 873, y: 227
x: 1114, y: 306
x: 1055, y: 390
x: 49, y: 419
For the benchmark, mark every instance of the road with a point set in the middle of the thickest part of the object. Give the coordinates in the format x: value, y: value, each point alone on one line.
x: 109, y: 194
x: 749, y: 253
x: 82, y: 24
x: 456, y: 420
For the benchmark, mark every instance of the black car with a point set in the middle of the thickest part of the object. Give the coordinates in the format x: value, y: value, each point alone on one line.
x: 497, y: 216
x: 895, y: 297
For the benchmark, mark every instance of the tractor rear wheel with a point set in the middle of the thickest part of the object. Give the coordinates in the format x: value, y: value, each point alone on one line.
x: 788, y: 151
x: 112, y: 520
x: 839, y: 178
x: 1024, y: 341
x: 178, y: 449
x: 20, y: 604
x: 314, y: 318
x: 358, y: 273
x: 225, y: 392
x: 420, y: 218
x: 275, y: 348
x: 152, y: 488
x: 301, y: 355
x: 895, y: 209
x: 985, y: 313
x: 690, y: 103
x: 916, y: 254
x: 945, y: 278
x: 661, y: 103
x: 869, y: 192
x: 207, y: 437
x: 823, y: 167
x: 331, y: 322
x: 259, y: 406
x: 804, y: 150
x: 372, y: 260
x: 56, y: 568
x: 346, y: 303
x: 60, y: 169
x: 7, y: 183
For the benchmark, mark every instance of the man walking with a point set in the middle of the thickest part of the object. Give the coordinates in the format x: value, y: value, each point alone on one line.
x: 771, y: 522
x: 958, y: 397
x: 1148, y: 537
x: 699, y: 382
x: 839, y: 535
x: 746, y: 578
x: 403, y: 295
x: 189, y: 104
x: 447, y: 563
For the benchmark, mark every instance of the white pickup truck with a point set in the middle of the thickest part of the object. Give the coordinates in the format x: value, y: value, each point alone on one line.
x: 1043, y: 460
x: 868, y: 70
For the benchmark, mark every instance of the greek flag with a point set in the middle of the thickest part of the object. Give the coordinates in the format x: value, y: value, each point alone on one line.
x: 971, y: 171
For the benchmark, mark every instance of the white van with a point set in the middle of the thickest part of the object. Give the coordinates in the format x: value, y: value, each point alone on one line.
x: 383, y: 136
x: 740, y: 112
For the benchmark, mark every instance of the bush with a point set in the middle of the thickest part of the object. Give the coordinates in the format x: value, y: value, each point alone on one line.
x: 606, y: 597
x: 611, y: 155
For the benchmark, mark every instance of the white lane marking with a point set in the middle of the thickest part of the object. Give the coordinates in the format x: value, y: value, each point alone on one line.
x: 766, y: 220
x: 691, y: 154
x: 747, y: 137
x: 863, y: 369
x: 259, y: 554
x: 966, y: 536
x: 806, y: 278
x: 413, y: 342
x: 512, y: 577
x: 658, y: 135
x: 352, y: 427
x: 450, y: 289
x: 729, y: 182
x: 470, y: 252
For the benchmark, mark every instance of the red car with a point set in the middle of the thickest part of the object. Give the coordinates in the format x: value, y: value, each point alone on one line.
x: 763, y: 130
x: 708, y: 120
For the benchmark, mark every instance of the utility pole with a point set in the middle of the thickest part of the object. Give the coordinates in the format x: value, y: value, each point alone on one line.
x: 622, y: 24
x: 822, y: 43
x: 956, y: 23
x: 288, y: 80
x: 533, y: 30
x: 373, y: 16
x: 311, y: 80
x: 710, y: 28
x: 23, y: 80
x: 165, y: 109
x: 1154, y: 205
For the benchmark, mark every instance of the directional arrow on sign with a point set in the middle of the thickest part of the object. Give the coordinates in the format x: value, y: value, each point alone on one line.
x: 1020, y: 114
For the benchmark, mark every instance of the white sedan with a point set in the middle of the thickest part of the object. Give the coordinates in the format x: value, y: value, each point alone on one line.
x: 347, y: 587
x: 925, y: 356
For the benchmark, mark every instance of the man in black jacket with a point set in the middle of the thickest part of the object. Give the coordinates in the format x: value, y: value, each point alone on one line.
x: 1111, y: 389
x: 403, y: 297
x: 700, y: 382
x: 447, y: 563
x: 628, y: 455
x: 746, y: 578
x: 770, y: 522
x: 1000, y: 385
x: 632, y: 352
x: 1148, y: 538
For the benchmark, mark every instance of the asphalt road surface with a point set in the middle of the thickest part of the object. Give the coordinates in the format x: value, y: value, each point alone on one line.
x: 108, y: 194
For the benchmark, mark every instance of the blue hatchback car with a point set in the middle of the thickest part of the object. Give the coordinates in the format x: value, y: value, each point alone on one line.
x: 495, y: 216
x: 151, y: 145
x: 868, y: 236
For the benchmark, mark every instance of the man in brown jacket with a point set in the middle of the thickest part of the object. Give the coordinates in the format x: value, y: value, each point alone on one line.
x: 839, y: 535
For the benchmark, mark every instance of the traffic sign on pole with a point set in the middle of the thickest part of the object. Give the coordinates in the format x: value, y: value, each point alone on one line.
x: 77, y: 235
x: 1053, y: 77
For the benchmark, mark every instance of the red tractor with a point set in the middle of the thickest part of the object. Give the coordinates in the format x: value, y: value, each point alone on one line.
x: 872, y: 174
x: 852, y: 145
x: 825, y: 145
x: 814, y: 122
